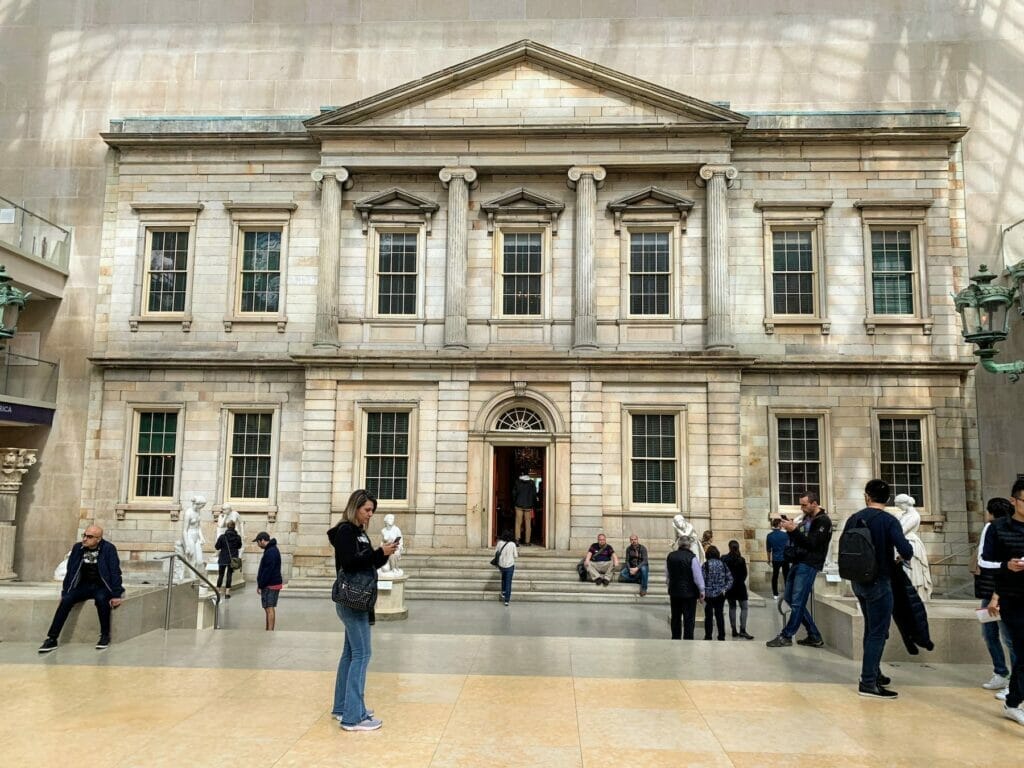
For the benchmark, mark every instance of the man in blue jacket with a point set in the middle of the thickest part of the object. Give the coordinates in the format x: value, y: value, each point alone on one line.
x: 94, y: 573
x: 268, y: 578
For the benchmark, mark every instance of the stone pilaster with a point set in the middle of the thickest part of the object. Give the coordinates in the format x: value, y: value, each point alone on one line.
x: 717, y: 179
x: 331, y: 181
x: 725, y: 466
x: 586, y: 179
x: 14, y: 463
x: 458, y: 181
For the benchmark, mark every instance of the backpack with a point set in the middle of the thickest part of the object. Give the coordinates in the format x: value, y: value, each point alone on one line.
x: 857, y: 561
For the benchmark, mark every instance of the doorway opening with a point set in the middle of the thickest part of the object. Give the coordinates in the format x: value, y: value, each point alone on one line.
x: 519, y: 465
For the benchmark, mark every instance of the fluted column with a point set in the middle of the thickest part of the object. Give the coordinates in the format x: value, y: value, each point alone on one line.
x: 14, y: 463
x: 331, y: 181
x: 458, y: 182
x: 585, y: 179
x: 717, y: 179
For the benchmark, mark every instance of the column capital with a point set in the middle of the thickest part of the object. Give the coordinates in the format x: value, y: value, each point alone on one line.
x: 450, y: 172
x: 577, y: 172
x: 338, y: 172
x: 14, y: 463
x: 707, y: 172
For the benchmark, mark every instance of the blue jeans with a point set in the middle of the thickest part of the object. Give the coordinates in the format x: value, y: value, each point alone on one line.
x: 991, y: 632
x: 350, y: 683
x: 506, y: 582
x: 1011, y: 612
x: 876, y: 604
x: 641, y: 576
x: 98, y: 593
x: 799, y: 587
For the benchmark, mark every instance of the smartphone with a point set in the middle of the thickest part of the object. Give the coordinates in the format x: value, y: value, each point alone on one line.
x: 398, y: 540
x: 784, y: 517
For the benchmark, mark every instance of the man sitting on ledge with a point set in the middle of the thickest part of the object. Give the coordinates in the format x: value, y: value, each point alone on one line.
x: 600, y: 561
x: 637, y: 568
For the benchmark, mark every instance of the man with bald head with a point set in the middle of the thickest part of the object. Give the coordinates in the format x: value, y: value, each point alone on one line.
x: 94, y: 573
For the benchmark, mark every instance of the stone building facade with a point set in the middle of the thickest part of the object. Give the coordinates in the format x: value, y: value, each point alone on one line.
x: 529, y: 263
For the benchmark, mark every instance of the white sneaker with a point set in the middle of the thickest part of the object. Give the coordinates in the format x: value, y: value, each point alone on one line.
x: 1003, y: 694
x: 997, y: 682
x: 1014, y: 713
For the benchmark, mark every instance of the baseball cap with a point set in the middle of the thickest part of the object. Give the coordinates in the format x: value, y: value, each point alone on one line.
x: 262, y: 536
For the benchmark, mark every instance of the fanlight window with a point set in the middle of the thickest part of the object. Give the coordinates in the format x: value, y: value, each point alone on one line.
x: 520, y: 420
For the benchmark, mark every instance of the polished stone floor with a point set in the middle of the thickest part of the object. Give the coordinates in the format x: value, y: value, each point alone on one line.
x: 475, y: 684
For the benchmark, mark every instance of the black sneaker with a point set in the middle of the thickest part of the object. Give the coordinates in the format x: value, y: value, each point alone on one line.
x: 877, y: 692
x: 103, y: 643
x: 882, y: 680
x: 49, y: 644
x: 780, y: 642
x: 813, y: 642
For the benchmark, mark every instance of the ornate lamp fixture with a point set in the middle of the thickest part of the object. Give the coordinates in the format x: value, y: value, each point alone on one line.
x: 985, y: 319
x: 12, y: 301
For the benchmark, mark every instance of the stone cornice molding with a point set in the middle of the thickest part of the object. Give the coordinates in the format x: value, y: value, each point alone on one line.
x: 577, y: 172
x: 707, y: 172
x: 786, y: 205
x: 241, y: 205
x: 895, y: 202
x: 448, y: 173
x: 396, y: 200
x: 146, y: 207
x: 505, y: 206
x: 636, y: 203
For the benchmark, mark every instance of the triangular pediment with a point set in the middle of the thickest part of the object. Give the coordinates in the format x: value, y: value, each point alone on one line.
x: 527, y: 86
x: 396, y: 200
x: 652, y: 198
x: 523, y: 199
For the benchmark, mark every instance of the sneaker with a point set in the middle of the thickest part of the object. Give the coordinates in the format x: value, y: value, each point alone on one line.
x: 506, y: 603
x: 103, y: 643
x: 997, y: 682
x: 879, y: 692
x: 1001, y: 695
x: 780, y: 642
x: 775, y: 598
x: 643, y: 593
x: 813, y: 642
x: 49, y: 644
x: 369, y: 713
x: 369, y: 724
x: 1013, y: 713
x: 883, y: 680
x: 745, y: 636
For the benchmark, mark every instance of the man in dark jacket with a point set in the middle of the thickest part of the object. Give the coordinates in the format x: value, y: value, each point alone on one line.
x: 807, y: 550
x: 228, y: 546
x: 875, y: 597
x: 268, y: 578
x: 94, y: 573
x: 636, y: 568
x: 685, y: 588
x: 525, y: 502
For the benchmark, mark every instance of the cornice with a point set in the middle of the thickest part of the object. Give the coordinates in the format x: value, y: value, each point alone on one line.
x: 949, y: 133
x: 191, y: 139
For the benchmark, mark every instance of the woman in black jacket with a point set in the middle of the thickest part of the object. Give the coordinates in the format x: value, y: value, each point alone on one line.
x: 228, y: 545
x: 353, y: 553
x: 738, y: 593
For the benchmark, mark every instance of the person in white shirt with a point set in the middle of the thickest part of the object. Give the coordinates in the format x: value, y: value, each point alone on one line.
x: 506, y: 552
x: 984, y: 585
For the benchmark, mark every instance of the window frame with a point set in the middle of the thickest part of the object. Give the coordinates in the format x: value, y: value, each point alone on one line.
x: 256, y: 217
x: 679, y: 412
x: 244, y: 504
x: 674, y: 232
x: 928, y: 506
x: 131, y: 500
x: 546, y: 281
x: 374, y: 231
x: 361, y: 417
x: 825, y: 484
x: 162, y: 217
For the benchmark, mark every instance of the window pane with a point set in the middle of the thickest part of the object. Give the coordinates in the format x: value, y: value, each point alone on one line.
x: 793, y: 272
x: 649, y: 273
x: 387, y: 454
x: 653, y: 459
x: 799, y: 458
x: 901, y: 447
x: 396, y: 273
x: 167, y: 272
x: 260, y: 272
x: 892, y: 272
x: 521, y: 278
x: 251, y: 439
x: 155, y: 454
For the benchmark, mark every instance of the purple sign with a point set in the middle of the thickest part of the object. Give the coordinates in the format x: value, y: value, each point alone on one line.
x: 25, y: 414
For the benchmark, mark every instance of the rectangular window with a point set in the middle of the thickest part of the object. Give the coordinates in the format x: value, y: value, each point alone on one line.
x: 522, y: 266
x: 653, y: 458
x: 396, y: 273
x: 155, y: 452
x: 799, y: 458
x: 260, y: 286
x: 892, y: 271
x: 901, y: 456
x: 649, y: 273
x: 166, y: 279
x: 387, y: 455
x: 793, y: 272
x: 251, y: 438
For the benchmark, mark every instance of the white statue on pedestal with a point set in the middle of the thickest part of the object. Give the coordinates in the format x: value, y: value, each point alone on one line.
x: 229, y: 513
x: 192, y: 538
x: 683, y: 529
x: 390, y: 532
x: 917, y: 569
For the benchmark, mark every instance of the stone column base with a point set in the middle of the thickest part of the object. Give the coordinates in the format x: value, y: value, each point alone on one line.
x: 7, y: 533
x: 391, y: 602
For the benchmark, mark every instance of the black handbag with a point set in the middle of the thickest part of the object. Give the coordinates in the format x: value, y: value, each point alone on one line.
x: 357, y: 591
x: 494, y: 560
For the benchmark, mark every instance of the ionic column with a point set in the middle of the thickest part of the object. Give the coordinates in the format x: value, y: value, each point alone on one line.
x: 585, y: 179
x: 14, y: 463
x: 717, y: 179
x: 458, y: 182
x: 331, y: 181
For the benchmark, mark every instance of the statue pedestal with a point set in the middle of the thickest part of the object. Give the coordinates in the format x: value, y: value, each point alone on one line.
x: 391, y: 599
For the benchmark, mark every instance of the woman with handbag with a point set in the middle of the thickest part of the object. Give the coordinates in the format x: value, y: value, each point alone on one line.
x: 357, y: 562
x: 229, y: 549
x: 505, y: 554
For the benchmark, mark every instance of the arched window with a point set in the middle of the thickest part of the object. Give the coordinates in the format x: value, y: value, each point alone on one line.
x: 520, y: 420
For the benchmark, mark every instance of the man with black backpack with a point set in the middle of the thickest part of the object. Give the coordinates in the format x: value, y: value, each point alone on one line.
x: 866, y: 559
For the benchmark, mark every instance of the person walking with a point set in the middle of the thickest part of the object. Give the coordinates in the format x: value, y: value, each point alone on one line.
x: 268, y: 578
x: 353, y: 554
x: 685, y: 582
x: 717, y: 582
x: 506, y: 552
x: 228, y: 546
x: 994, y: 632
x: 737, y: 595
x: 775, y: 546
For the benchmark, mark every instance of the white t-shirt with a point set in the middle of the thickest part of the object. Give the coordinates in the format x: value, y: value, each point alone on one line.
x: 508, y: 555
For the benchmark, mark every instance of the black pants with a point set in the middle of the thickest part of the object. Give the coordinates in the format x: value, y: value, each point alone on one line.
x: 1011, y: 612
x: 220, y: 575
x: 714, y: 607
x: 98, y: 593
x: 684, y: 617
x: 776, y: 567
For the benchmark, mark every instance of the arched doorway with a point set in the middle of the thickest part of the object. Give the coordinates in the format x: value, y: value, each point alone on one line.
x: 519, y: 476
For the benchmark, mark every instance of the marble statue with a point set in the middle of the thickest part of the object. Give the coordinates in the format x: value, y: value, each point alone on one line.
x: 192, y: 538
x: 683, y: 529
x: 229, y: 513
x: 917, y: 569
x: 389, y: 533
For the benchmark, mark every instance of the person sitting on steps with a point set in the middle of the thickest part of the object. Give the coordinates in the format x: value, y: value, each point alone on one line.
x: 600, y: 561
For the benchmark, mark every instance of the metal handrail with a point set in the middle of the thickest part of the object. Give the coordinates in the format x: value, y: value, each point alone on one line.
x: 957, y: 553
x: 170, y: 583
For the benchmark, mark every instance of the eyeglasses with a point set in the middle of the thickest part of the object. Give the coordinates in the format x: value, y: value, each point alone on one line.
x: 89, y: 536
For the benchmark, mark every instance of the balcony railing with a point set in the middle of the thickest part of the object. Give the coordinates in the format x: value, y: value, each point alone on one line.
x: 28, y: 378
x: 34, y: 235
